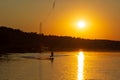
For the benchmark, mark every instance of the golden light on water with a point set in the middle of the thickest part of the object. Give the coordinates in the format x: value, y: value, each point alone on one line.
x: 80, y: 65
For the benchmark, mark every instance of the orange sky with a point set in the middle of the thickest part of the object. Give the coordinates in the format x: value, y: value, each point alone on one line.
x: 101, y: 17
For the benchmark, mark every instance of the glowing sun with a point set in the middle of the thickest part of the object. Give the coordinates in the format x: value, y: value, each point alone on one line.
x: 81, y: 24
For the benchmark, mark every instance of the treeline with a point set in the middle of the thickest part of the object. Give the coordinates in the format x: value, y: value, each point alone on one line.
x: 15, y: 40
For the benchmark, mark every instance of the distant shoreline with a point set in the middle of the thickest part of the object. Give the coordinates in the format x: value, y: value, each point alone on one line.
x: 17, y: 41
x: 63, y: 51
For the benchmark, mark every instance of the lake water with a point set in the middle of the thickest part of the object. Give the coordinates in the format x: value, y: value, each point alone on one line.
x: 65, y: 66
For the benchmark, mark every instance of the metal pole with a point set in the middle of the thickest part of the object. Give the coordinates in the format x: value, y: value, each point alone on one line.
x: 40, y: 32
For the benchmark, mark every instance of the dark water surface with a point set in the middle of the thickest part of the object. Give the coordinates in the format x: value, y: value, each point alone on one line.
x: 64, y: 66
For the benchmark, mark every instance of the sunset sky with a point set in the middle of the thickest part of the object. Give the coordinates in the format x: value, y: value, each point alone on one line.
x: 101, y: 17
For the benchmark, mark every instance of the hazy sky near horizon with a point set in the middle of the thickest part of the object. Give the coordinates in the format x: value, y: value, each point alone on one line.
x: 102, y: 17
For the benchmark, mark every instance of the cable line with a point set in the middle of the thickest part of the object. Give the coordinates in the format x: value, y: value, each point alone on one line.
x: 47, y: 16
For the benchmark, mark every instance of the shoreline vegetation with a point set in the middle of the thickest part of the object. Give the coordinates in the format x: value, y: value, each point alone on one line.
x: 17, y: 41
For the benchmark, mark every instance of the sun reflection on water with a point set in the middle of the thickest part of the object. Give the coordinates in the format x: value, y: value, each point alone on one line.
x: 80, y: 65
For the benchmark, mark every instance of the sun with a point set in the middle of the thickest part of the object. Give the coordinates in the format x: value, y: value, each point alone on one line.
x: 81, y: 24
